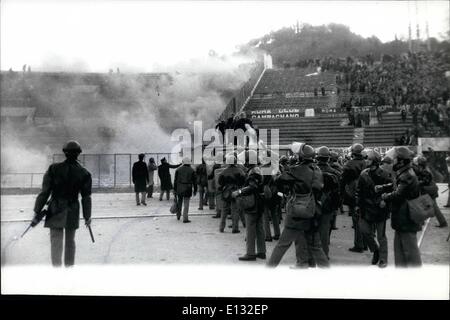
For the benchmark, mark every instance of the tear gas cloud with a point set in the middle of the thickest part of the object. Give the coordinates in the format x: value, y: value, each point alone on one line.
x: 118, y: 112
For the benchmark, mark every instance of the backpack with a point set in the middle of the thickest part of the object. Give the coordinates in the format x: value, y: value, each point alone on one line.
x: 302, y: 206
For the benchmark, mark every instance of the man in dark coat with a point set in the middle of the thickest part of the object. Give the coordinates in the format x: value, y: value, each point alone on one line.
x: 373, y: 211
x: 185, y: 180
x: 202, y: 183
x: 230, y: 180
x: 140, y: 179
x: 253, y: 210
x: 165, y: 177
x: 330, y: 197
x: 63, y: 182
x: 349, y: 181
x: 406, y: 187
x: 302, y: 179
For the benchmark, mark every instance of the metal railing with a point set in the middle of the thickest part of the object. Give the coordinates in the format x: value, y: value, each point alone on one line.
x: 21, y: 180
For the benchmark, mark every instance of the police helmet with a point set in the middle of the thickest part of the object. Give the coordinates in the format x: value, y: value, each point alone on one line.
x: 387, y: 160
x: 323, y: 152
x: 72, y: 146
x: 306, y: 152
x: 374, y: 156
x: 421, y: 160
x: 403, y: 153
x: 334, y: 155
x: 357, y: 148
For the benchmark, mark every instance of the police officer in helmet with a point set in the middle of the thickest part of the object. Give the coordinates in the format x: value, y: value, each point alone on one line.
x: 63, y: 182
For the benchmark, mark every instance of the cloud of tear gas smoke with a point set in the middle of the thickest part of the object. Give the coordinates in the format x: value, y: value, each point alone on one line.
x: 17, y: 156
x: 119, y: 112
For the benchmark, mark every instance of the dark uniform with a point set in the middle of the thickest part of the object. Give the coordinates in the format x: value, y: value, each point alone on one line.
x: 271, y: 202
x: 374, y: 213
x: 330, y: 203
x: 140, y: 179
x: 428, y: 186
x: 350, y: 175
x: 231, y: 179
x: 406, y: 250
x: 64, y: 181
x: 253, y: 209
x: 302, y: 179
x: 202, y: 182
x: 165, y: 177
x: 334, y: 163
x: 185, y: 180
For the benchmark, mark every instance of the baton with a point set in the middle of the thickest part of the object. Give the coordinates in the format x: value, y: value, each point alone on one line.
x: 26, y: 230
x: 90, y: 232
x: 445, y: 190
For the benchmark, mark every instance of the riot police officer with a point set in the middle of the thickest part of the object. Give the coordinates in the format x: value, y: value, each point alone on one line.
x: 231, y: 179
x: 428, y: 186
x: 64, y: 181
x: 303, y: 181
x: 349, y: 180
x: 406, y: 187
x: 330, y: 196
x: 373, y: 211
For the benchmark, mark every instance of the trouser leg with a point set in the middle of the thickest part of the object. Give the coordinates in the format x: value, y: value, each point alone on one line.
x: 286, y: 239
x: 439, y: 216
x: 275, y: 221
x: 251, y: 233
x: 212, y: 203
x: 219, y: 204
x: 411, y: 249
x: 324, y: 231
x: 69, y: 248
x: 266, y: 220
x: 150, y: 191
x: 168, y: 194
x: 179, y: 206
x: 56, y: 246
x: 260, y: 234
x: 368, y: 232
x: 205, y: 195
x: 186, y: 208
x: 226, y: 209
x: 302, y: 251
x: 234, y: 215
x: 399, y: 257
x: 143, y: 197
x: 357, y: 241
x: 137, y: 197
x: 315, y: 246
x: 382, y: 241
x: 241, y: 215
x: 200, y: 197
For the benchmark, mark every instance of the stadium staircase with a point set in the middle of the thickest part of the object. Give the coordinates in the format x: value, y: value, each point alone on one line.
x: 385, y: 132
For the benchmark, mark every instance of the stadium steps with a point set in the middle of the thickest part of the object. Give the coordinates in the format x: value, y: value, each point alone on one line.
x: 316, y: 131
x: 384, y: 133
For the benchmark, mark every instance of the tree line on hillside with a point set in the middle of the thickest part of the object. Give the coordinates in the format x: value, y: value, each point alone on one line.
x: 293, y: 47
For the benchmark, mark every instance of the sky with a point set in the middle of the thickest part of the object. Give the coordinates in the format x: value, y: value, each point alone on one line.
x: 149, y: 36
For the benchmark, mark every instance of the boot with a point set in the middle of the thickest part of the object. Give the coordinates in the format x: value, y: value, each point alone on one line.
x: 376, y: 257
